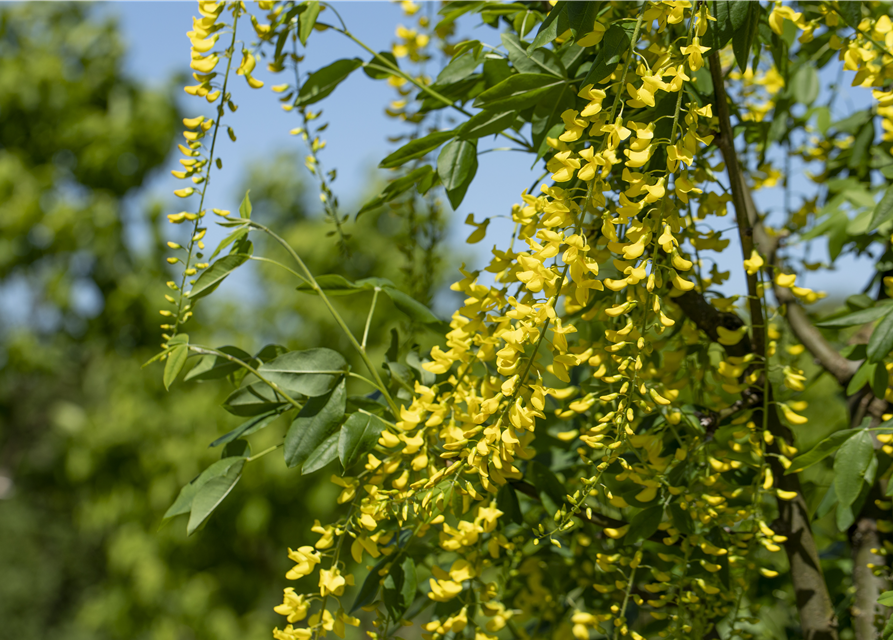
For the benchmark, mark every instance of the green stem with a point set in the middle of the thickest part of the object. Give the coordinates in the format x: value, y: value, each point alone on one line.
x: 369, y: 318
x: 207, y: 351
x: 395, y: 70
x: 201, y: 203
x: 257, y: 456
x: 337, y: 316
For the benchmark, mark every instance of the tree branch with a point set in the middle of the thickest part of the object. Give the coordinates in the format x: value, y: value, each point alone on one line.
x: 817, y: 618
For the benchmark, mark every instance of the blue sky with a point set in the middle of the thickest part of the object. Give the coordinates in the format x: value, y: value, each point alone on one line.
x: 357, y: 135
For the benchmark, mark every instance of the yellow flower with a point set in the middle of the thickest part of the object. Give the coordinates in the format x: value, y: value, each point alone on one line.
x: 778, y: 16
x: 306, y: 558
x: 293, y: 605
x: 695, y: 52
x: 563, y: 166
x: 573, y: 126
x: 331, y: 581
x: 753, y: 264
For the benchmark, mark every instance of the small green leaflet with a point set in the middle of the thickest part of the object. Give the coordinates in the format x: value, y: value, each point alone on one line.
x: 335, y: 285
x: 458, y: 68
x: 245, y: 207
x: 310, y: 373
x: 614, y: 46
x: 805, y: 84
x: 212, y: 493
x: 322, y: 455
x: 644, y: 524
x: 731, y: 17
x: 851, y: 12
x: 248, y: 427
x: 456, y: 166
x: 176, y: 359
x: 307, y: 20
x: 415, y: 310
x: 518, y: 91
x: 819, y: 452
x: 485, y: 123
x: 212, y: 367
x: 317, y: 420
x: 323, y: 82
x: 553, y: 26
x: 743, y: 39
x: 886, y: 599
x: 377, y: 69
x: 881, y: 342
x: 252, y: 400
x: 863, y: 316
x: 359, y: 435
x: 416, y: 149
x: 211, y: 277
x: 883, y: 212
x: 850, y: 465
x: 227, y: 471
x: 539, y: 61
x: 399, y: 587
x: 397, y: 187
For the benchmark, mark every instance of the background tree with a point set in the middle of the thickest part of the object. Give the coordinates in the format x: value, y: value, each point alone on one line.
x: 92, y: 451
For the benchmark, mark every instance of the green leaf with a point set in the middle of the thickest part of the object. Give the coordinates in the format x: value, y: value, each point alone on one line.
x: 416, y: 149
x: 851, y: 12
x: 458, y: 68
x: 213, y: 367
x: 486, y: 123
x: 863, y: 376
x: 416, y: 311
x: 212, y: 493
x: 183, y: 503
x: 540, y: 61
x: 245, y: 207
x: 863, y: 316
x: 359, y: 435
x: 456, y: 166
x: 507, y: 502
x: 548, y: 30
x: 377, y: 70
x: 238, y: 234
x: 644, y: 524
x: 317, y: 420
x: 614, y: 45
x: 886, y: 599
x: 397, y: 187
x: 881, y: 342
x: 547, y: 484
x: 237, y: 448
x: 860, y: 147
x: 333, y: 284
x: 518, y: 92
x: 879, y: 381
x: 322, y: 455
x: 805, y: 84
x: 850, y: 464
x: 247, y: 428
x: 883, y: 212
x: 743, y: 39
x: 323, y: 82
x: 819, y: 452
x: 176, y: 359
x: 581, y: 17
x: 252, y: 400
x: 211, y: 277
x: 731, y: 16
x: 307, y: 20
x: 399, y: 588
x: 369, y: 589
x: 310, y: 373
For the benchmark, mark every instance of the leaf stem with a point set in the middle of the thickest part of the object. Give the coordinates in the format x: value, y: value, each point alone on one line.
x: 369, y: 318
x: 337, y: 316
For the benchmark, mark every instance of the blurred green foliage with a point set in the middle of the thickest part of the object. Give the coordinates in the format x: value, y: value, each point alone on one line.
x: 92, y: 450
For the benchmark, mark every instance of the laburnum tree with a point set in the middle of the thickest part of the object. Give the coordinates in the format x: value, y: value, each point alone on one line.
x: 611, y: 438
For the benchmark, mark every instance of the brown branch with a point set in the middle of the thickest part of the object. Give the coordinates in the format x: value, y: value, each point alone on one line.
x: 809, y: 336
x: 817, y: 618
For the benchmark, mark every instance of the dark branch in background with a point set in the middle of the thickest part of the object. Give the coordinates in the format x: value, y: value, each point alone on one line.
x: 817, y: 618
x: 808, y: 335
